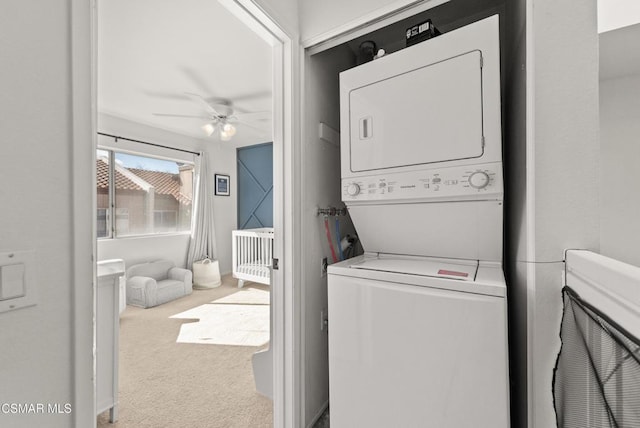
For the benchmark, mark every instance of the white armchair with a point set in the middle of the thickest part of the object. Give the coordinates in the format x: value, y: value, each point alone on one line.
x: 154, y: 283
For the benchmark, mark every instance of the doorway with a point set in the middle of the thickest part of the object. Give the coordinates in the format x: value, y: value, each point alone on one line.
x: 84, y: 65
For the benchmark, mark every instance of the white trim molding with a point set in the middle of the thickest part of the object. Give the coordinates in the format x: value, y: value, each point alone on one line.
x: 286, y: 303
x: 372, y: 21
x: 84, y: 118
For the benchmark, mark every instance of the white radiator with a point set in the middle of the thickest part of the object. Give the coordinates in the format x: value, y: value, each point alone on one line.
x: 252, y: 251
x: 597, y: 375
x: 611, y: 286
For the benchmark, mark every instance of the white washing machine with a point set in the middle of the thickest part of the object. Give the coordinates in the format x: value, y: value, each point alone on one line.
x: 418, y: 325
x: 417, y: 342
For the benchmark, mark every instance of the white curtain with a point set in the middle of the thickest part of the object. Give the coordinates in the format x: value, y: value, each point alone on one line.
x: 203, y: 236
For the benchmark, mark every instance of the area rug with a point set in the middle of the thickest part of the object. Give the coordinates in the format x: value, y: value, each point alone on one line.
x: 239, y: 319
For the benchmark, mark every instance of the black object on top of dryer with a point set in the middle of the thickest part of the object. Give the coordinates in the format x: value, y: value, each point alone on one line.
x: 421, y: 32
x: 366, y: 51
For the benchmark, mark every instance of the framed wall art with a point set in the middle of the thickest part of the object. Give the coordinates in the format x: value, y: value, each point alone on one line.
x: 222, y: 185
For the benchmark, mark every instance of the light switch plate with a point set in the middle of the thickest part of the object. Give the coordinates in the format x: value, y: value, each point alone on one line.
x: 17, y: 285
x: 12, y: 281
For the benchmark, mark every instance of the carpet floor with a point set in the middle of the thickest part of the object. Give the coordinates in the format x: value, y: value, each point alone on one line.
x: 186, y: 385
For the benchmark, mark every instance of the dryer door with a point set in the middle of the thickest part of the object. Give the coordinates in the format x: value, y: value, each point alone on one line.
x: 427, y: 115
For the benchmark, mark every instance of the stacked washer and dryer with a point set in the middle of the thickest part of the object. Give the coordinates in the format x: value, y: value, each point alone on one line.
x: 418, y: 324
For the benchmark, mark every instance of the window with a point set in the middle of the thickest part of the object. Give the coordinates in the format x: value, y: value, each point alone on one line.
x: 147, y: 195
x: 165, y: 220
x: 102, y: 224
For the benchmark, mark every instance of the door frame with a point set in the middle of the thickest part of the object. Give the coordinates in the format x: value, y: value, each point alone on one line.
x: 286, y: 309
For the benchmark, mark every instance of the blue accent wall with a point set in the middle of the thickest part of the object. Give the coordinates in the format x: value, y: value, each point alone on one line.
x: 255, y: 186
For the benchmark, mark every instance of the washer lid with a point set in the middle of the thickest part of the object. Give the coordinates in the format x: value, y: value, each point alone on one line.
x: 464, y: 270
x: 483, y: 277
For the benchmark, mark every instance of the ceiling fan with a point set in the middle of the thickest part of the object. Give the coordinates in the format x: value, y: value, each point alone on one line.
x: 221, y: 118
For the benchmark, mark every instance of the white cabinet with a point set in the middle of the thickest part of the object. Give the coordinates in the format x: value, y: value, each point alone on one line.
x: 107, y: 338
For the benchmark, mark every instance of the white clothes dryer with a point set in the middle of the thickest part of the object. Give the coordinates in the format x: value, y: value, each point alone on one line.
x: 421, y: 147
x: 418, y: 325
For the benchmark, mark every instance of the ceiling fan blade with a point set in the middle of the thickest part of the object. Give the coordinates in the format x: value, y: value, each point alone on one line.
x: 165, y: 95
x: 201, y: 84
x: 248, y: 96
x: 200, y: 116
x: 203, y: 103
x: 257, y: 115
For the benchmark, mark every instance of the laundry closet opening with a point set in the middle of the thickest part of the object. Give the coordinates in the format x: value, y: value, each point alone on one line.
x: 324, y: 61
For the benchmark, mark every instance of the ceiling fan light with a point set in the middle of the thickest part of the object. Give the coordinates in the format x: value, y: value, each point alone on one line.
x: 224, y: 136
x: 229, y: 129
x: 209, y: 129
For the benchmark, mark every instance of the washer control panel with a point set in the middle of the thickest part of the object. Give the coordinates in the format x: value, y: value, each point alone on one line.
x: 471, y: 180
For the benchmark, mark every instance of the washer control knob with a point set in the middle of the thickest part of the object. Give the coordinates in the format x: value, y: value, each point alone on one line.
x: 353, y: 189
x: 479, y: 180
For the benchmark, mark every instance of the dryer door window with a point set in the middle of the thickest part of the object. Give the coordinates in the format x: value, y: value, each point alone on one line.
x: 428, y: 115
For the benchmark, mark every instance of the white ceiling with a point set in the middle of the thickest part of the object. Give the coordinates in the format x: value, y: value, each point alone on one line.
x: 620, y: 52
x: 150, y: 52
x: 613, y: 14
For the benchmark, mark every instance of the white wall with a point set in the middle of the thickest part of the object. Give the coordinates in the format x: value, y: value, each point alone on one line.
x: 35, y: 169
x: 222, y: 160
x: 142, y: 249
x: 562, y: 173
x: 619, y: 134
x: 123, y: 127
